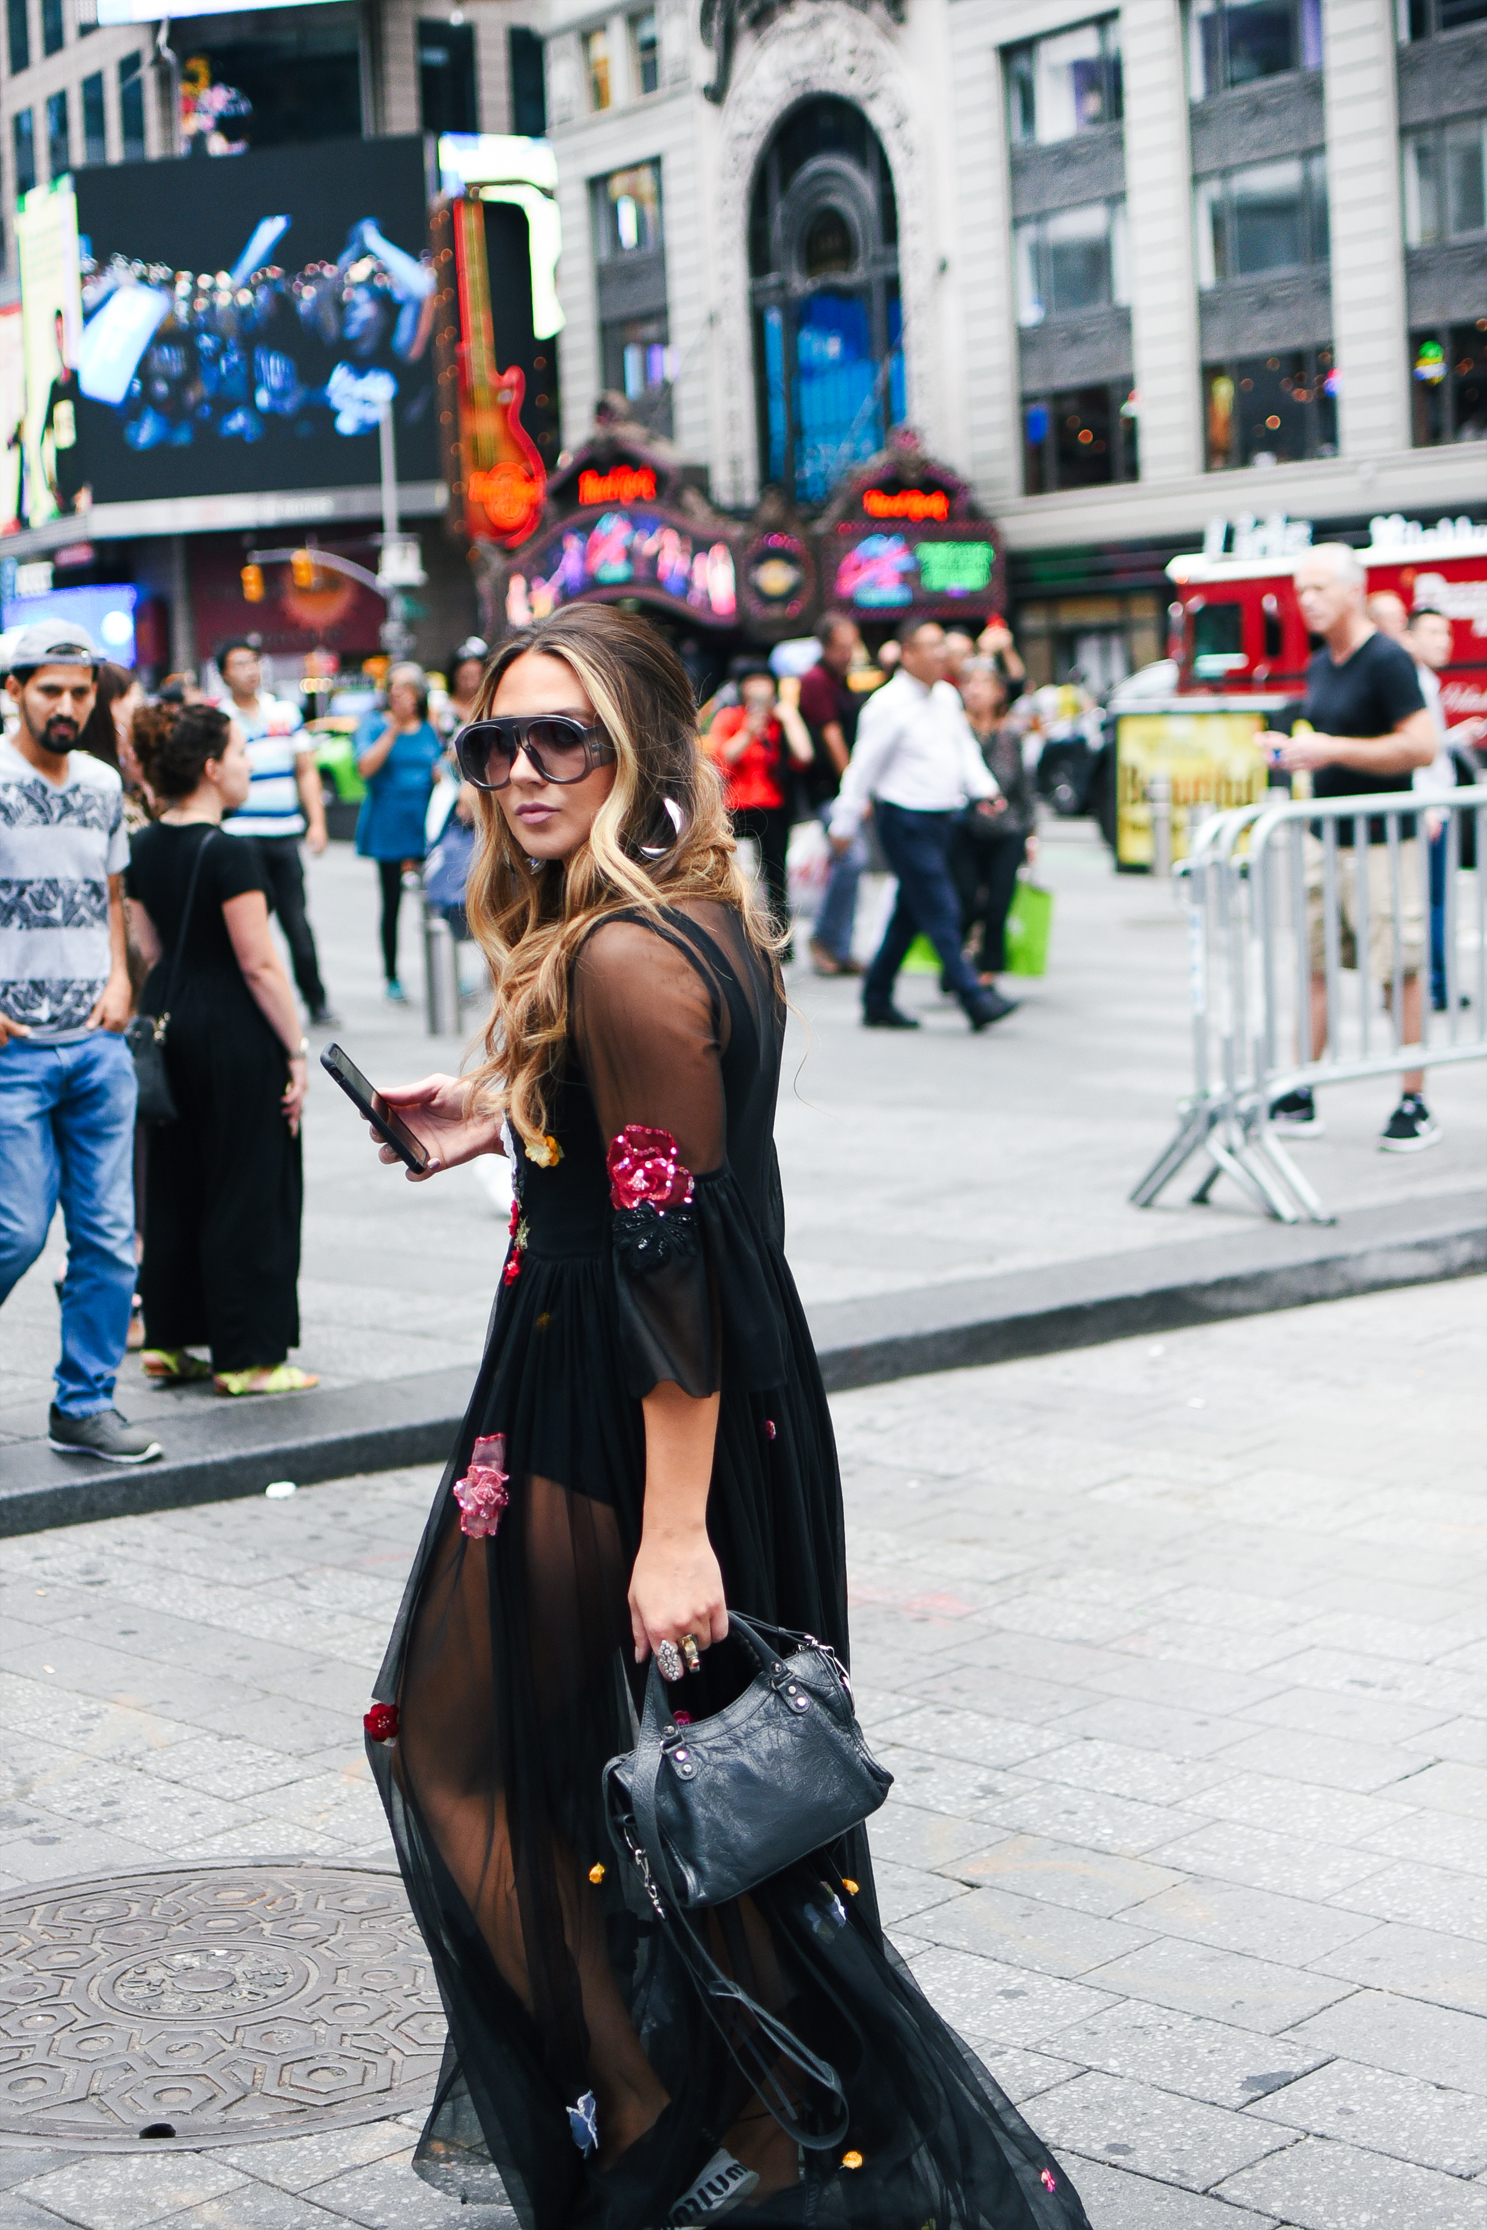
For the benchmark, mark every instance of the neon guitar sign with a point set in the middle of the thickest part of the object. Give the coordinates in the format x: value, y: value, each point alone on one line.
x: 505, y: 483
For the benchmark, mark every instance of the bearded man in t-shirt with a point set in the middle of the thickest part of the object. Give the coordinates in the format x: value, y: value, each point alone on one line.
x: 1370, y: 732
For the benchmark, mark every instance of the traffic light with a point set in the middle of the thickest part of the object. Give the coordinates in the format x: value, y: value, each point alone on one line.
x: 252, y: 579
x: 302, y: 569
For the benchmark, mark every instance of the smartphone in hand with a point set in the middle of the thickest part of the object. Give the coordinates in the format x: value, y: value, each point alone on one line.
x: 385, y: 1120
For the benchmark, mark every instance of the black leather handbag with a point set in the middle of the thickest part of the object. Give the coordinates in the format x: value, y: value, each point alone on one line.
x: 702, y: 1813
x: 144, y: 1034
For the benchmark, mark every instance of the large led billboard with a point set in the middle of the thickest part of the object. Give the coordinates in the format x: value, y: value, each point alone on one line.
x: 244, y: 322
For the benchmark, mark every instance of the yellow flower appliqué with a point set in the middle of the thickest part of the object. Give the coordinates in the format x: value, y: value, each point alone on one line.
x: 547, y: 1153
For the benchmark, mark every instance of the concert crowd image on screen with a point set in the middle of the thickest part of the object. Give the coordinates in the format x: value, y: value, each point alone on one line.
x: 245, y: 322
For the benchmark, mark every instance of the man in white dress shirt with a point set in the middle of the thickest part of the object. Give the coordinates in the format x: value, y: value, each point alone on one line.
x: 917, y: 760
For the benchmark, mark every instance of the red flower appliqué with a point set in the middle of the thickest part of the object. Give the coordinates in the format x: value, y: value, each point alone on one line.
x: 517, y: 1234
x: 381, y: 1722
x: 645, y: 1169
x: 481, y: 1494
x: 1048, y: 2180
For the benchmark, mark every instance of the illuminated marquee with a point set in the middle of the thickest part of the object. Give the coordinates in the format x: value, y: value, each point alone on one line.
x: 626, y: 484
x: 906, y: 503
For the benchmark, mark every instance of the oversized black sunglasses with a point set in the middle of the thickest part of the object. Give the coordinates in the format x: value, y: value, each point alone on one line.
x: 559, y: 748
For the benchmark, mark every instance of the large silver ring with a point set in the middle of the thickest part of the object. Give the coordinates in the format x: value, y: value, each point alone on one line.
x: 692, y: 1656
x: 668, y: 1661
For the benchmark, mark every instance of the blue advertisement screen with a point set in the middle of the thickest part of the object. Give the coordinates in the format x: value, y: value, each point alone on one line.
x: 105, y: 614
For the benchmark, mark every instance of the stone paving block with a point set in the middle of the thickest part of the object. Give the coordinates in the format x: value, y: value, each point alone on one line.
x: 296, y: 2163
x: 1388, y: 2113
x: 1115, y: 2200
x: 255, y: 2206
x: 1437, y: 1838
x: 1020, y: 2073
x: 1008, y: 2005
x: 114, y: 2191
x: 1105, y: 1823
x: 939, y: 1784
x: 1029, y: 1932
x: 909, y: 1892
x: 1426, y: 1896
x: 1185, y: 2053
x: 1210, y: 1689
x: 1414, y: 1963
x: 1331, y: 1760
x: 1292, y: 1930
x: 1007, y: 1695
x: 1373, y: 1636
x: 222, y: 1765
x: 1432, y: 1686
x: 1064, y: 1874
x: 386, y: 2195
x: 19, y: 2167
x: 63, y: 1850
x: 902, y: 1833
x: 1428, y: 2041
x: 1351, y: 1717
x: 1135, y: 1721
x: 1198, y: 1978
x: 1321, y: 2185
x: 1449, y: 1787
x: 974, y: 1736
x: 1153, y: 2133
x: 1297, y: 1808
x: 17, y: 2213
x: 1287, y: 1864
x: 1464, y: 1739
x: 1119, y: 1769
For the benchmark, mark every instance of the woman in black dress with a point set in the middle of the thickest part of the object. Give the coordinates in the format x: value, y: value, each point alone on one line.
x: 648, y: 1441
x: 222, y: 1187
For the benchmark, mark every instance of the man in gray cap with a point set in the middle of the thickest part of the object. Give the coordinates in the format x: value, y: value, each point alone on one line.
x: 67, y: 1088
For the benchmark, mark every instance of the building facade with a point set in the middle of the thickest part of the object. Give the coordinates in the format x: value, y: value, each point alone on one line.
x: 1124, y: 269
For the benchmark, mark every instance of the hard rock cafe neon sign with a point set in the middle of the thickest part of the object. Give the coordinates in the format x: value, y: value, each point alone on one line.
x: 625, y: 484
x: 906, y: 503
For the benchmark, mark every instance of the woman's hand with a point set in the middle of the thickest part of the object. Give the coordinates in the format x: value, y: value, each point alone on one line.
x: 434, y: 1110
x: 676, y: 1589
x: 293, y: 1100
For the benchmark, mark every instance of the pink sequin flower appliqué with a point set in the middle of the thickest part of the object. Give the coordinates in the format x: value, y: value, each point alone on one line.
x: 646, y: 1170
x: 481, y: 1494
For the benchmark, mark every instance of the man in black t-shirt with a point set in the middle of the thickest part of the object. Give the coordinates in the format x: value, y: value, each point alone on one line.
x: 1371, y: 731
x: 829, y: 709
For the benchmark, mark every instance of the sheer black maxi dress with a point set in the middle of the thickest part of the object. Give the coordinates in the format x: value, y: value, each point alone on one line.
x: 512, y: 1679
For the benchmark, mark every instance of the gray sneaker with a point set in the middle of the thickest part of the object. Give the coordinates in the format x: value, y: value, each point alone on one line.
x: 104, y: 1434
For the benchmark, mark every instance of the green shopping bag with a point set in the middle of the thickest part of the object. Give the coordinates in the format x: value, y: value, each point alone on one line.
x: 921, y: 959
x: 1029, y: 922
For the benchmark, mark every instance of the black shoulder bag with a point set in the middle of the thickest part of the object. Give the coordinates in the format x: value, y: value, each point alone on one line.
x: 701, y: 1814
x: 144, y: 1034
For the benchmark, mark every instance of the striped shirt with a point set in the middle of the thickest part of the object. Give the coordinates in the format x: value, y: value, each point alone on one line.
x: 274, y: 734
x: 58, y: 848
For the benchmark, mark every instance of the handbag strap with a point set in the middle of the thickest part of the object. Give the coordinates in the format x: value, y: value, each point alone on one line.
x: 719, y: 1992
x: 180, y: 952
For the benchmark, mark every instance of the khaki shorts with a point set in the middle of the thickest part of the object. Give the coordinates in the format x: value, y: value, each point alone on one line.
x: 1380, y: 909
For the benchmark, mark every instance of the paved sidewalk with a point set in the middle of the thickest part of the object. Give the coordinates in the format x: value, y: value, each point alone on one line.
x: 909, y: 1164
x: 1175, y: 1647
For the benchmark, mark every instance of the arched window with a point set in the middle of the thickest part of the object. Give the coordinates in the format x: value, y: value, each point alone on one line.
x: 823, y: 259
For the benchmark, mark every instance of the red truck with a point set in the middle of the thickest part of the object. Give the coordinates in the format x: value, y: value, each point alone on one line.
x: 1236, y: 627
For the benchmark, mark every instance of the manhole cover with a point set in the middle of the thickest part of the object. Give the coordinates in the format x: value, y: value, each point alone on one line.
x: 227, y: 2002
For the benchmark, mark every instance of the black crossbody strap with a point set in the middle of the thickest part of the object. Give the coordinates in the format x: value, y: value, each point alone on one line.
x: 752, y: 2026
x: 180, y: 952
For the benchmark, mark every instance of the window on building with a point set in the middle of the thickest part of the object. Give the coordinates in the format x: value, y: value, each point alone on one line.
x: 1266, y: 217
x: 58, y: 145
x: 1082, y: 438
x: 528, y: 83
x: 627, y: 212
x: 1064, y: 84
x: 95, y: 123
x: 1233, y: 42
x: 638, y: 364
x: 1423, y: 19
x: 23, y: 150
x: 823, y: 251
x: 1448, y: 383
x: 132, y: 109
x: 53, y: 31
x: 1445, y: 181
x: 596, y: 67
x: 18, y: 30
x: 1270, y: 410
x: 645, y: 51
x: 446, y: 77
x: 1070, y: 260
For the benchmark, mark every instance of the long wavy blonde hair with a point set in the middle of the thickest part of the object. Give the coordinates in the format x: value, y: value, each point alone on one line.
x: 661, y: 835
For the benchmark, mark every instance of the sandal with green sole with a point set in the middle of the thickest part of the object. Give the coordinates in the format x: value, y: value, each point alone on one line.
x: 173, y: 1366
x: 276, y: 1378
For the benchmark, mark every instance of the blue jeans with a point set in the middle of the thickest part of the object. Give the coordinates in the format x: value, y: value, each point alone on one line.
x: 838, y: 909
x: 917, y: 846
x: 67, y: 1133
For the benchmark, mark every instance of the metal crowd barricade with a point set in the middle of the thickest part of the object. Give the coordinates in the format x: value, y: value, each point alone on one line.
x: 1250, y: 879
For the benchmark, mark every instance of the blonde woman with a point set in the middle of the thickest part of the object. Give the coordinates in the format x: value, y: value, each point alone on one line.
x: 648, y: 1442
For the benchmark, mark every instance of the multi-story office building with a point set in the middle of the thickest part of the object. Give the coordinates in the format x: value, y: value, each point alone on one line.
x: 1124, y: 269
